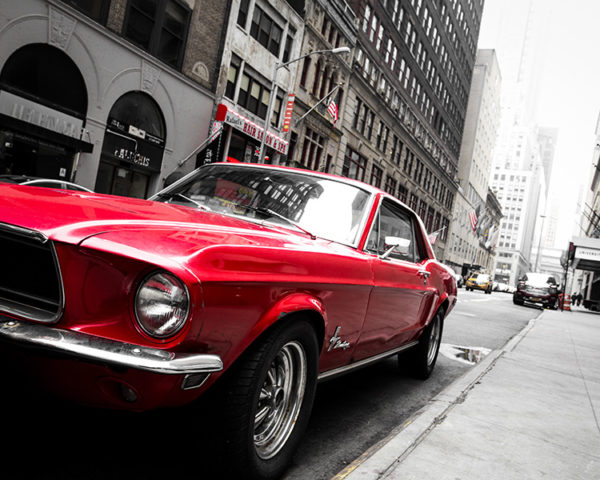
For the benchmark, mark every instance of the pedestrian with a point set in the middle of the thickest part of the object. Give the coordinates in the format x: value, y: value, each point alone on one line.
x: 579, y: 298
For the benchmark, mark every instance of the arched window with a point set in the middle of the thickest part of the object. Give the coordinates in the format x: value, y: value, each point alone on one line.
x: 47, y: 76
x: 141, y: 111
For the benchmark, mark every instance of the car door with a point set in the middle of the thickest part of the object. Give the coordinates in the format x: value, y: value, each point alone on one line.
x: 401, y: 297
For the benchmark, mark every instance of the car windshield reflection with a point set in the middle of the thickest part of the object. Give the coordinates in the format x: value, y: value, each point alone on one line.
x: 320, y: 207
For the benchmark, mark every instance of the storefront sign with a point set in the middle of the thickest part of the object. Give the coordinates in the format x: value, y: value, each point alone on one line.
x: 228, y: 116
x: 287, y: 118
x: 587, y: 254
x: 40, y: 115
x: 135, y: 151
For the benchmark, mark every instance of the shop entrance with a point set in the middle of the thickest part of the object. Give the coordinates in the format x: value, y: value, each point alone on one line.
x: 133, y: 147
x: 21, y: 155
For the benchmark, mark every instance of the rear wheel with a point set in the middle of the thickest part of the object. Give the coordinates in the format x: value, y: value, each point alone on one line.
x: 267, y: 400
x: 421, y: 359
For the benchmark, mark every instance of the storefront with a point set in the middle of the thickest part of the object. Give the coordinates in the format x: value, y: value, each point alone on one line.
x: 242, y: 138
x: 133, y: 147
x: 42, y: 117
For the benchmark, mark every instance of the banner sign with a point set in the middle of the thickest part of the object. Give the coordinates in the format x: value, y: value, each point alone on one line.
x: 287, y: 118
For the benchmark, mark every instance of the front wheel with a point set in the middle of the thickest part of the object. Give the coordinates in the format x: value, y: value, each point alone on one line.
x: 267, y: 402
x: 422, y: 358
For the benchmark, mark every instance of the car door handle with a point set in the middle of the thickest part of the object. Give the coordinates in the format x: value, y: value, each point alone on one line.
x: 424, y: 273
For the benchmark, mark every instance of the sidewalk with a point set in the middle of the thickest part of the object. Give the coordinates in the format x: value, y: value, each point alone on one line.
x: 528, y: 411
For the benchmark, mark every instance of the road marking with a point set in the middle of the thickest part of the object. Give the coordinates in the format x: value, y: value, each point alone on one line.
x: 465, y: 314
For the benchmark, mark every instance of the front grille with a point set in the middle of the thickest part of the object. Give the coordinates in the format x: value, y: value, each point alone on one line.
x: 30, y: 284
x: 536, y: 290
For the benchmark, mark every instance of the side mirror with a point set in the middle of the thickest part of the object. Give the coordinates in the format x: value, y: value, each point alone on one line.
x: 398, y: 244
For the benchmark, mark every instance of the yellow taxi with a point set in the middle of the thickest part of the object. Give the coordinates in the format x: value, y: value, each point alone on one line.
x: 479, y: 281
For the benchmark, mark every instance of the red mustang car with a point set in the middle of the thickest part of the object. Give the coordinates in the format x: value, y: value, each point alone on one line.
x: 251, y: 281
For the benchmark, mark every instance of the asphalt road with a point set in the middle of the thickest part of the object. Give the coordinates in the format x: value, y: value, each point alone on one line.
x: 47, y: 439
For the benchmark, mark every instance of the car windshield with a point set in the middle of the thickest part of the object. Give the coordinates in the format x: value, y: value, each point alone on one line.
x: 323, y: 207
x: 539, y: 279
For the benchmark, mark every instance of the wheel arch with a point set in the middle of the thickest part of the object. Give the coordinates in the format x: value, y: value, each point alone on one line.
x: 287, y: 309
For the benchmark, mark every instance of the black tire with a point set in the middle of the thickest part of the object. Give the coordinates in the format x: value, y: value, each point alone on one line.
x: 263, y: 418
x: 421, y: 359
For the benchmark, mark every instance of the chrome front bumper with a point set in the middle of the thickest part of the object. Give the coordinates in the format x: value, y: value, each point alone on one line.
x: 111, y: 352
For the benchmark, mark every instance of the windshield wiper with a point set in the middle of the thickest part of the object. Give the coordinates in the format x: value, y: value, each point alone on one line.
x: 187, y: 199
x: 268, y: 212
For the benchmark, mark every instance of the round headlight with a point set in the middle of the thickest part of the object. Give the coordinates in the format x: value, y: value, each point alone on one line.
x: 161, y: 305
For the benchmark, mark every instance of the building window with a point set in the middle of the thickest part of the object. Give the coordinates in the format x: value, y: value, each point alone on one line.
x: 289, y: 41
x: 243, y: 13
x: 354, y: 165
x: 376, y: 176
x: 390, y: 185
x: 305, y: 68
x: 160, y: 27
x: 232, y: 76
x: 266, y: 31
x: 95, y: 9
x: 312, y: 150
x: 253, y: 96
x: 402, y: 193
x: 413, y: 201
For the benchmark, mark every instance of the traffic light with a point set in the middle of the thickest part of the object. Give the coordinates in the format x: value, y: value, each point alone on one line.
x: 571, y: 255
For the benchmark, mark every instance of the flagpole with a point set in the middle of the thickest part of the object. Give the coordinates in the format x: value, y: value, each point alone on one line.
x: 317, y: 104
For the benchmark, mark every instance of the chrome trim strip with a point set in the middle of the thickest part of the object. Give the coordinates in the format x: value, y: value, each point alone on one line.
x: 108, y: 351
x: 363, y: 363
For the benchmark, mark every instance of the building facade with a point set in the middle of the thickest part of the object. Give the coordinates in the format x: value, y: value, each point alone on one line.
x: 474, y: 223
x: 407, y: 102
x: 110, y: 94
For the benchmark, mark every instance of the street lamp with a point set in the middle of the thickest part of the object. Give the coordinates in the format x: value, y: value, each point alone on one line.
x: 539, y: 252
x: 273, y: 91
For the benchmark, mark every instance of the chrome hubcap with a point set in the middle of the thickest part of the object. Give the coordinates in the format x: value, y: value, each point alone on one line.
x: 280, y: 400
x: 434, y: 340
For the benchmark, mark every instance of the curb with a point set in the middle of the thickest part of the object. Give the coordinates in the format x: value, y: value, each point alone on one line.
x: 384, y: 456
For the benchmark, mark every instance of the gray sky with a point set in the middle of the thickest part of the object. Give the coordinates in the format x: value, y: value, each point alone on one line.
x: 569, y: 94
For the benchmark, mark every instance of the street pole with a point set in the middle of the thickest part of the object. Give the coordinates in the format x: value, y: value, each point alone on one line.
x: 261, y: 152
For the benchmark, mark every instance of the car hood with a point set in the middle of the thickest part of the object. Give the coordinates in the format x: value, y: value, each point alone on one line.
x: 78, y: 217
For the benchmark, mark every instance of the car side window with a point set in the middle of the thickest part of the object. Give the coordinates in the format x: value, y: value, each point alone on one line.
x: 391, y: 221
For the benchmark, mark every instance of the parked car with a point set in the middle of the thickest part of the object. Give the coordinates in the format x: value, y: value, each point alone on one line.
x: 479, y: 281
x: 43, y: 182
x: 248, y: 281
x: 538, y: 289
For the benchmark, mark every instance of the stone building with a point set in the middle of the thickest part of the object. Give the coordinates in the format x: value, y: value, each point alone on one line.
x: 111, y: 94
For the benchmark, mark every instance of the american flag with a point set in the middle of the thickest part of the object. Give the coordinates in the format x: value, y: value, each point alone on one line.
x: 333, y: 110
x: 473, y: 220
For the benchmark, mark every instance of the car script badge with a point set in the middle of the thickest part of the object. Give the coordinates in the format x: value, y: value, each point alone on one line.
x: 336, y: 342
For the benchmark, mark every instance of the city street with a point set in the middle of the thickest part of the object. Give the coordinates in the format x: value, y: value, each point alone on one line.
x: 350, y: 415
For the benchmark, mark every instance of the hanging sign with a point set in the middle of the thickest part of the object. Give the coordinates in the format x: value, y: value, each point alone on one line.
x: 287, y: 118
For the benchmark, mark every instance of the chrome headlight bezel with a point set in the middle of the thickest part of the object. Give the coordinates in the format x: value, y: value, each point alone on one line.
x: 179, y: 307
